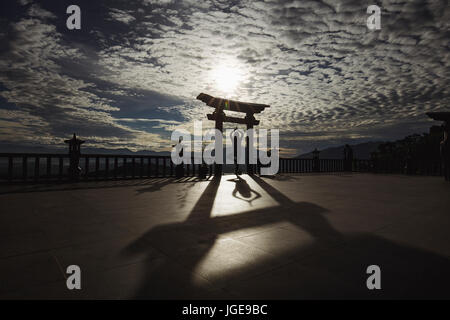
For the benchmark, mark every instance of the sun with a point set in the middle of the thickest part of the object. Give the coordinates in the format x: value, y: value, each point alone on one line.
x: 227, y: 78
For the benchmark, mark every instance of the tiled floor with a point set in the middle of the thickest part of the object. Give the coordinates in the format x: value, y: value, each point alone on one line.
x: 297, y: 236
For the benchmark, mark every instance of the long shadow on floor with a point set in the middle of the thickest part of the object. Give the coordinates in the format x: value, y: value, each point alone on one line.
x: 332, y: 265
x: 150, y: 184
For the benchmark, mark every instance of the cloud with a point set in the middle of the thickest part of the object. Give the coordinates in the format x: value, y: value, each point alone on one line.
x: 121, y: 16
x: 322, y: 71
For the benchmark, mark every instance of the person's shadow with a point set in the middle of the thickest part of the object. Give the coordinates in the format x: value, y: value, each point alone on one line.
x: 332, y: 266
x: 242, y: 190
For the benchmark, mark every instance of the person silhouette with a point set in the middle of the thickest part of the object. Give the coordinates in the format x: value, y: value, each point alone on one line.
x: 236, y: 136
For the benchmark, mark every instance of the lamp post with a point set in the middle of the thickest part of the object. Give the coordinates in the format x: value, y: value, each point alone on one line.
x: 445, y: 143
x: 74, y: 153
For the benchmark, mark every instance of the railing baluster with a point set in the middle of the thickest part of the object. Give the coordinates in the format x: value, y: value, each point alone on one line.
x: 86, y: 167
x: 124, y: 166
x: 149, y: 167
x: 133, y: 166
x: 116, y: 166
x: 141, y: 167
x: 106, y: 167
x: 60, y: 169
x: 10, y: 168
x: 49, y: 167
x: 156, y: 167
x: 164, y: 167
x: 97, y: 166
x: 24, y: 168
x: 36, y: 168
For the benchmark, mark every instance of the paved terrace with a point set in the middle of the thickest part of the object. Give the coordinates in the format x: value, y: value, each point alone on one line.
x: 296, y: 236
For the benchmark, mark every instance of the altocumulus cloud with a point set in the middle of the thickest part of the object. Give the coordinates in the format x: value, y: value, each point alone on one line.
x: 132, y: 73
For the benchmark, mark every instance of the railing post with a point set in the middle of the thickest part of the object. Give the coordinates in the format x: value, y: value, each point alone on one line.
x: 374, y: 162
x: 86, y: 167
x: 149, y: 167
x: 316, y: 161
x: 97, y: 167
x: 348, y: 158
x: 106, y: 167
x: 164, y: 167
x: 116, y: 166
x: 24, y: 168
x: 49, y: 167
x: 61, y: 166
x: 10, y: 168
x: 124, y: 167
x: 36, y: 168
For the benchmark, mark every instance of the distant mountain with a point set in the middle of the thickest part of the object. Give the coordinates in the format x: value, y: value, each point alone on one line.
x: 123, y: 151
x: 360, y: 151
x: 11, y: 148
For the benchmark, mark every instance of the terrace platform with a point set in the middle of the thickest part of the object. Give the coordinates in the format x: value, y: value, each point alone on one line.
x: 299, y: 236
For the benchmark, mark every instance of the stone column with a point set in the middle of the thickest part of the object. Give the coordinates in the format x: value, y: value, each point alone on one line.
x: 250, y: 120
x: 219, y: 116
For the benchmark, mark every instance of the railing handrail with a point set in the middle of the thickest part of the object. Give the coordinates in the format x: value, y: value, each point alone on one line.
x: 93, y: 155
x: 309, y: 159
x: 32, y: 154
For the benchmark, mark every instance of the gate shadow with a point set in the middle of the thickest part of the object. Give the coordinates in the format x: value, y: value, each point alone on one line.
x: 333, y: 266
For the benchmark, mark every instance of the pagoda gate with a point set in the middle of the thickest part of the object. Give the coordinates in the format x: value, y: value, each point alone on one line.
x: 221, y: 105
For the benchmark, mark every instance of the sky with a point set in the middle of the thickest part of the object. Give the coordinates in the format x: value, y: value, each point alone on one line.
x: 129, y: 77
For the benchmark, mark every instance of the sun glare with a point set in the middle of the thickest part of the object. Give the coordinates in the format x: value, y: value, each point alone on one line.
x: 227, y: 78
